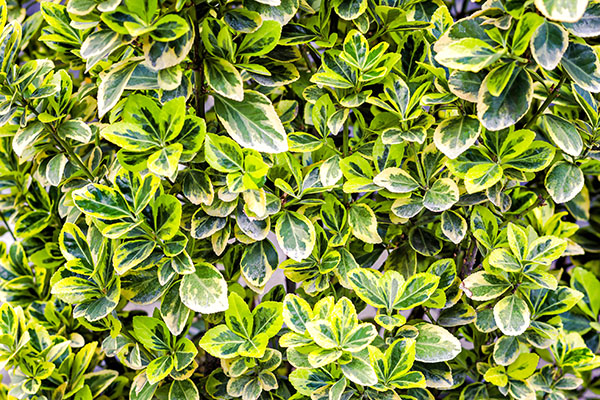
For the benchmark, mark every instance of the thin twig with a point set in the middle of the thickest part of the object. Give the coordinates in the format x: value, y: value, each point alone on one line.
x: 198, y: 66
x: 553, y: 94
x: 8, y: 226
x: 345, y: 151
x: 64, y: 146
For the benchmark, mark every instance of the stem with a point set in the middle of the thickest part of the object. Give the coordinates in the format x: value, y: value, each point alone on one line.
x: 198, y: 66
x: 306, y: 59
x: 431, y: 319
x: 553, y: 94
x: 8, y: 227
x: 470, y: 262
x: 418, y: 164
x: 345, y: 151
x: 134, y: 340
x: 540, y: 202
x: 63, y: 145
x: 71, y: 153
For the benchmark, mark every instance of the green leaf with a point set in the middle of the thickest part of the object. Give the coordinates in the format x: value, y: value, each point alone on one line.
x: 442, y: 195
x: 582, y: 64
x: 101, y: 201
x: 75, y: 130
x: 453, y: 226
x: 204, y: 225
x: 562, y: 10
x: 563, y: 134
x: 435, y: 344
x: 322, y: 333
x: 586, y: 283
x: 27, y: 137
x: 466, y: 84
x: 152, y: 333
x: 455, y: 135
x: 482, y: 286
x: 197, y: 186
x: 517, y: 240
x: 73, y: 246
x: 268, y: 319
x: 168, y: 28
x: 159, y: 369
x: 223, y: 154
x: 499, y: 77
x: 504, y: 110
x: 564, y: 181
x: 482, y: 176
x: 558, y: 301
x: 173, y: 311
x: 350, y: 9
x: 468, y: 54
x: 224, y: 78
x: 306, y: 381
x: 258, y: 262
x: 398, y: 136
x: 360, y: 372
x: 167, y: 216
x: 262, y: 40
x: 396, y: 180
x: 205, y: 290
x: 587, y: 25
x: 131, y: 253
x: 296, y: 313
x: 164, y: 162
x: 281, y: 13
x: 512, y: 315
x: 504, y: 260
x: 238, y: 317
x: 424, y: 241
x: 221, y: 342
x: 416, y: 290
x: 356, y: 49
x: 548, y: 44
x: 113, y: 84
x: 242, y: 20
x: 546, y: 249
x: 363, y: 223
x: 524, y: 366
x: 496, y: 376
x: 31, y: 223
x: 252, y: 123
x: 526, y: 27
x: 129, y: 136
x: 376, y: 289
x: 506, y: 350
x: 183, y: 390
x: 330, y: 172
x: 296, y: 235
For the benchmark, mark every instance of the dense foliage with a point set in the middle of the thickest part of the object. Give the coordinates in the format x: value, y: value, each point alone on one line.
x: 419, y: 176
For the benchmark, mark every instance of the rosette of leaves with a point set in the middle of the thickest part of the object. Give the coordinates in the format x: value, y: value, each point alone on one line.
x: 389, y: 292
x: 96, y: 297
x: 167, y: 354
x: 315, y: 272
x: 156, y: 138
x: 247, y: 377
x: 245, y: 333
x: 329, y: 340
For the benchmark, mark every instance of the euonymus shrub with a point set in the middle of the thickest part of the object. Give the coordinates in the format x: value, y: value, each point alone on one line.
x: 433, y: 164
